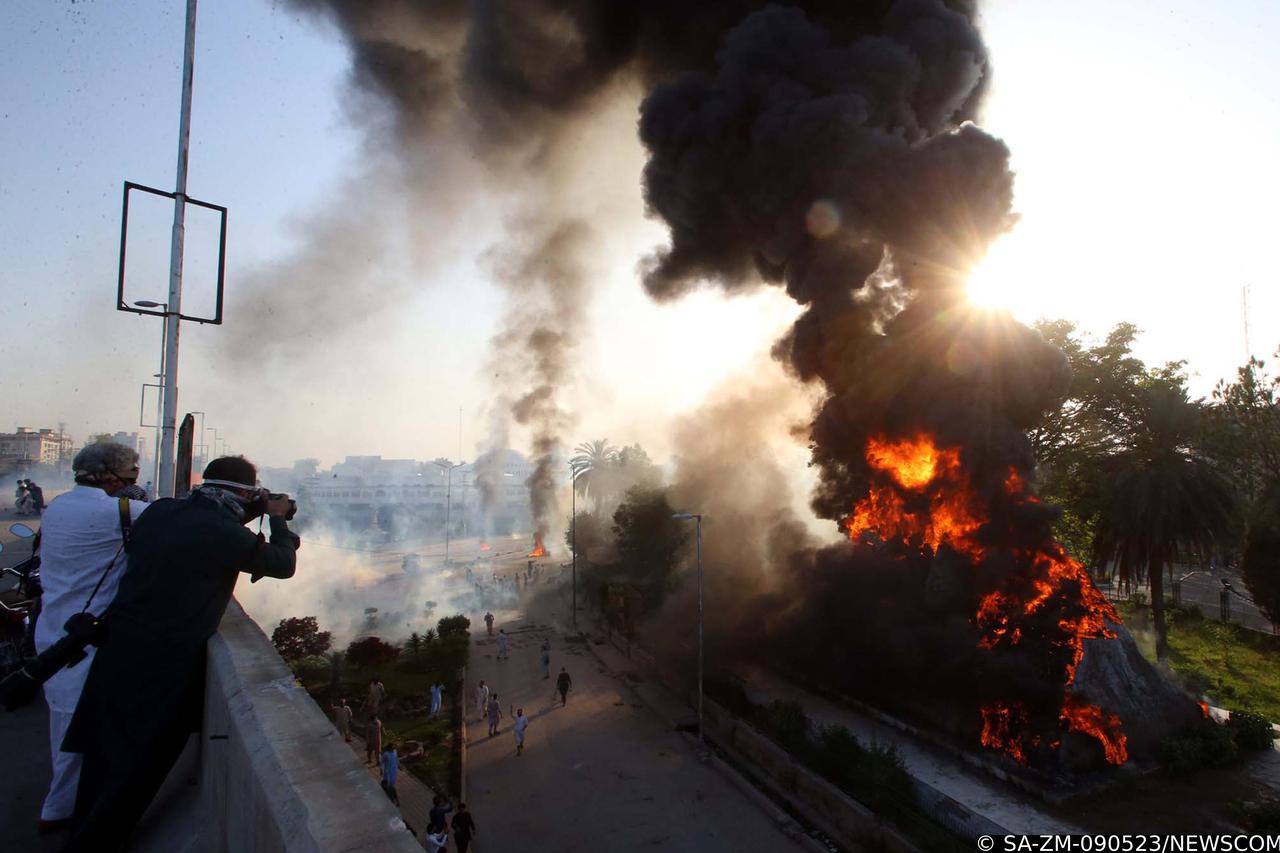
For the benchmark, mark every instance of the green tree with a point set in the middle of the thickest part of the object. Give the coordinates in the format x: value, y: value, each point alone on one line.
x: 1158, y: 494
x: 335, y: 670
x: 592, y: 467
x: 650, y: 543
x: 450, y: 626
x: 1242, y: 435
x: 591, y: 536
x: 1261, y: 564
x: 370, y: 652
x: 414, y: 643
x: 297, y: 638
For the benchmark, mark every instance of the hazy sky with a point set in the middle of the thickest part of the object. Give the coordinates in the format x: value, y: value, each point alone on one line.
x: 1143, y: 133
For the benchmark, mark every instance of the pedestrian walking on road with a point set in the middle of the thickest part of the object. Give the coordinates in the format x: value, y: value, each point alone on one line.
x: 488, y: 623
x: 495, y: 714
x: 521, y: 724
x: 546, y: 658
x: 502, y: 644
x: 437, y: 696
x: 463, y: 828
x: 373, y: 740
x: 563, y: 683
x: 482, y: 698
x: 342, y: 719
x: 390, y: 769
x: 437, y: 817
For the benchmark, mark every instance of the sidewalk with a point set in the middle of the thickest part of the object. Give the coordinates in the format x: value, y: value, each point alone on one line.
x: 415, y: 796
x: 1015, y: 812
x: 601, y: 773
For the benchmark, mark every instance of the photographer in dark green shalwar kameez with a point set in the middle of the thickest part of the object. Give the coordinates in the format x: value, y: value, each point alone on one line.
x: 145, y: 690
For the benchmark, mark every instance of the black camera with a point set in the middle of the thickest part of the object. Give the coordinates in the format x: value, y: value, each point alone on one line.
x: 258, y: 506
x: 83, y: 629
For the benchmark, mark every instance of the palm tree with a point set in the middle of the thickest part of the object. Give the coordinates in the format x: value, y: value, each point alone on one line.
x: 1159, y: 496
x: 591, y: 468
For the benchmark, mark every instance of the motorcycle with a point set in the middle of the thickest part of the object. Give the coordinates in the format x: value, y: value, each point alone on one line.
x: 20, y: 594
x: 25, y: 505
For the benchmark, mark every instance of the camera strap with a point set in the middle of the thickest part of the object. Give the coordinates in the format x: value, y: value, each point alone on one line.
x: 126, y: 531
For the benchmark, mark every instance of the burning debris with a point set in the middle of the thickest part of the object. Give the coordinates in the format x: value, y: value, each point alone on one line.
x: 921, y: 498
x: 538, y: 549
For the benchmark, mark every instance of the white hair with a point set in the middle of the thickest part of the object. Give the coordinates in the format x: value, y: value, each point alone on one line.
x: 105, y: 457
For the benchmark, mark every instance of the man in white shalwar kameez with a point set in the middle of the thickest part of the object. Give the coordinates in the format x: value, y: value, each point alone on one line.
x: 80, y: 537
x: 482, y: 698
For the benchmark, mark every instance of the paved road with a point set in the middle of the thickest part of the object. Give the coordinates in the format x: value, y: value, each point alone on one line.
x: 602, y: 773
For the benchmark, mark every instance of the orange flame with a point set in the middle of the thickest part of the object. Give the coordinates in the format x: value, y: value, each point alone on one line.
x: 926, y: 501
x: 1079, y: 716
x: 538, y: 549
x: 484, y: 546
x: 1204, y: 709
x: 942, y: 509
x: 1000, y: 726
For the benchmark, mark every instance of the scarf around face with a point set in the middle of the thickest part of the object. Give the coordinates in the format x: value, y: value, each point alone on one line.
x: 229, y: 501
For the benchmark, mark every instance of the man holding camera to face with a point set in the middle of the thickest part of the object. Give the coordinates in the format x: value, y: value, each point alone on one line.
x: 145, y: 690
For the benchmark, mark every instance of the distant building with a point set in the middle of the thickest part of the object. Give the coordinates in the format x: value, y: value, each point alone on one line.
x: 26, y: 448
x: 399, y: 496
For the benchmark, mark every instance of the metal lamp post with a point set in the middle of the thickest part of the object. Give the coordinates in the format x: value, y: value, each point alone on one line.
x: 573, y: 538
x: 203, y: 461
x: 684, y: 516
x: 448, y: 499
x: 164, y: 338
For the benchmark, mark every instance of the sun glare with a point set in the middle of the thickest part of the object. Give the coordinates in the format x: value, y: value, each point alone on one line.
x: 991, y: 285
x: 1000, y: 281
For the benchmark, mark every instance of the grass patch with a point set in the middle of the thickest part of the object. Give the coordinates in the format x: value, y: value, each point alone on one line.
x: 1234, y: 667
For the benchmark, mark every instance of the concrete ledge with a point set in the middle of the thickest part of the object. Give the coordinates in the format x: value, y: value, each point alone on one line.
x: 275, y: 775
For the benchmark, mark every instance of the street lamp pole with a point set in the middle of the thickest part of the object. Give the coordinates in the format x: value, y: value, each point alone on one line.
x: 702, y: 746
x: 573, y: 537
x: 448, y: 500
x: 203, y: 461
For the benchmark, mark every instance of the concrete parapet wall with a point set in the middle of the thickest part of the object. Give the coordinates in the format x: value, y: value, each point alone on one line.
x: 275, y: 774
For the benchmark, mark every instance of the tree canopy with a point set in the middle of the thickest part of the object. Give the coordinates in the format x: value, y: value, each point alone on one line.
x: 297, y: 638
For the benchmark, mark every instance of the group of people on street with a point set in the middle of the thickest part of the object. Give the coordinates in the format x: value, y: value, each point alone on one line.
x: 158, y: 577
x: 488, y: 706
x: 28, y: 498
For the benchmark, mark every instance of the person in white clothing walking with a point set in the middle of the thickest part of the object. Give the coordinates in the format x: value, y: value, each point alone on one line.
x: 482, y: 698
x: 82, y: 544
x: 519, y: 727
x: 502, y: 644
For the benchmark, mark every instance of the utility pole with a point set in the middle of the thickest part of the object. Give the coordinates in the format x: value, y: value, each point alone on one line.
x: 174, y: 309
x: 573, y: 537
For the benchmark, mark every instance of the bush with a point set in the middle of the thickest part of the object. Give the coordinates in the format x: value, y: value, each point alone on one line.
x: 370, y: 652
x: 453, y: 625
x: 786, y: 723
x: 1252, y: 732
x: 1204, y: 745
x: 873, y: 774
x: 1262, y: 818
